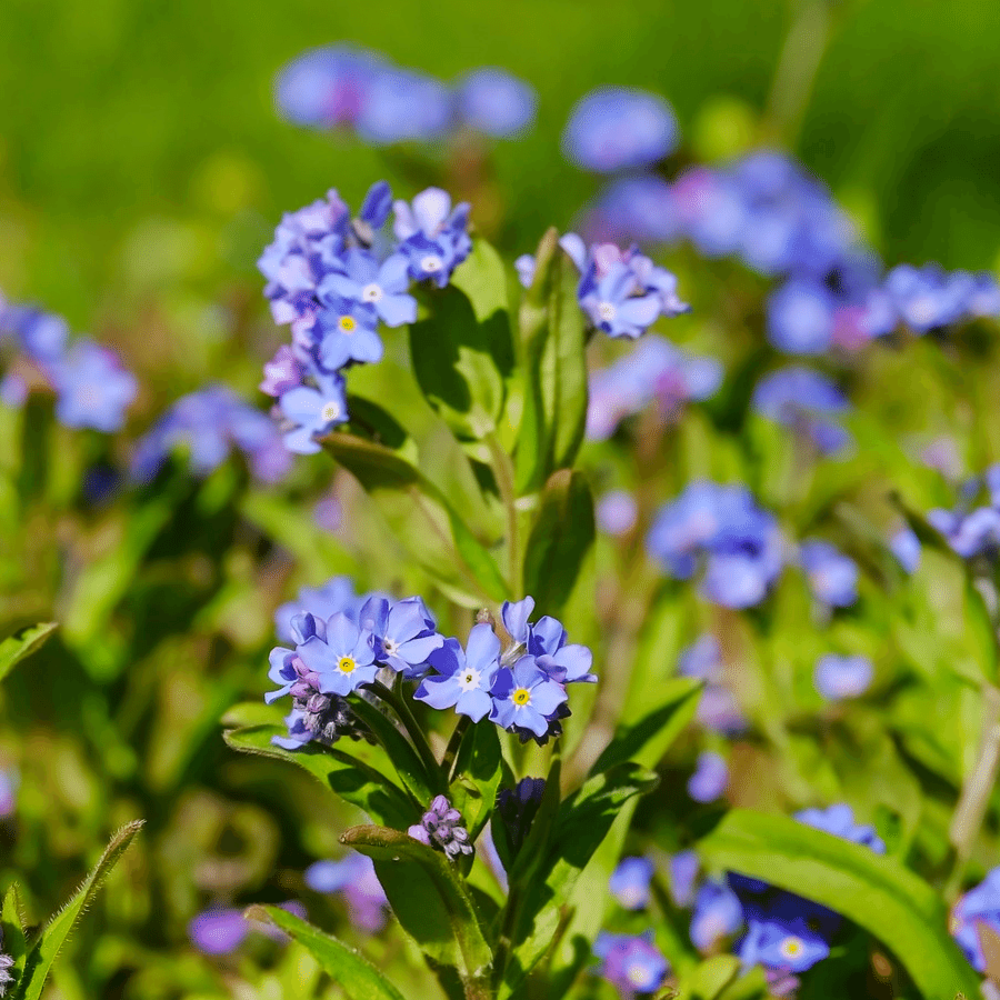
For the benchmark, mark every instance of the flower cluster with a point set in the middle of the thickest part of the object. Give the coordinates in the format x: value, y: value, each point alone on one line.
x: 655, y: 371
x: 808, y: 403
x: 522, y: 688
x: 342, y: 640
x: 356, y: 89
x: 722, y: 528
x: 208, y: 425
x: 441, y: 826
x: 334, y: 279
x: 621, y: 292
x: 92, y: 387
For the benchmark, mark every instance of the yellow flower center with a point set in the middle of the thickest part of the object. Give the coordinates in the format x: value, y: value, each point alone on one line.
x: 791, y: 947
x: 346, y: 665
x: 347, y: 324
x: 521, y: 696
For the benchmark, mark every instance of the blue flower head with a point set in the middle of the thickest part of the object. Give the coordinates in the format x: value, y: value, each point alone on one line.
x: 616, y: 302
x: 717, y: 914
x: 312, y: 412
x: 337, y: 594
x: 344, y: 660
x: 432, y: 235
x: 632, y: 964
x: 404, y: 634
x: 630, y: 881
x: 354, y: 878
x: 800, y: 317
x: 980, y: 905
x: 839, y: 821
x: 403, y: 105
x: 463, y: 678
x: 619, y: 128
x: 683, y: 870
x: 93, y: 388
x: 838, y: 677
x: 492, y: 101
x: 344, y: 329
x: 789, y: 944
x: 524, y: 697
x: 805, y: 401
x: 381, y: 286
x: 832, y: 576
x: 709, y: 779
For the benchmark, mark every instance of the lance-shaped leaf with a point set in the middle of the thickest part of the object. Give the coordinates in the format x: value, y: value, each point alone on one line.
x: 461, y: 349
x: 422, y: 519
x: 583, y: 822
x: 348, y: 968
x: 430, y: 899
x: 12, y: 924
x: 647, y: 740
x: 554, y: 366
x: 478, y: 770
x: 561, y: 538
x: 876, y: 892
x: 22, y: 643
x: 46, y: 948
x: 352, y: 779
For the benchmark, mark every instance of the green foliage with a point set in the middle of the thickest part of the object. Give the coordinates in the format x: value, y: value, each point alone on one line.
x: 876, y: 892
x: 352, y: 972
x: 43, y: 952
x: 23, y: 643
x: 478, y: 773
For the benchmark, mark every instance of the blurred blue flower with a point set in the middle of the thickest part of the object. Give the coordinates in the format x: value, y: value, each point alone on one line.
x: 632, y: 964
x: 337, y: 594
x: 218, y: 931
x: 496, y: 103
x: 630, y: 881
x: 832, y: 576
x: 639, y: 209
x: 402, y: 105
x: 616, y: 513
x: 326, y: 87
x: 710, y: 777
x: 717, y: 708
x: 803, y: 400
x: 717, y: 914
x: 980, y: 905
x: 619, y: 128
x: 683, y: 870
x: 782, y: 942
x: 463, y: 678
x: 800, y: 317
x: 839, y: 677
x: 92, y: 387
x: 354, y: 877
x: 739, y: 542
x: 838, y: 820
x: 906, y: 547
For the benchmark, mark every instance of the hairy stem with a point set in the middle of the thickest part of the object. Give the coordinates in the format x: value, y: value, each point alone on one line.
x: 398, y: 704
x: 503, y: 469
x: 454, y: 744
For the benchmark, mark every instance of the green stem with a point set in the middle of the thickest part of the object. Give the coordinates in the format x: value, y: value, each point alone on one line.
x: 412, y: 727
x: 503, y: 469
x: 451, y: 751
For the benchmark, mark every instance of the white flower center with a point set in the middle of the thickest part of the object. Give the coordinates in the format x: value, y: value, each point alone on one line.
x: 606, y: 311
x: 469, y: 679
x: 637, y: 975
x: 371, y: 293
x: 330, y: 412
x: 791, y: 947
x: 390, y: 646
x: 431, y: 263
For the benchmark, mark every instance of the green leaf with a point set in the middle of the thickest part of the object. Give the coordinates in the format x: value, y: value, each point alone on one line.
x: 352, y: 779
x: 554, y: 366
x: 431, y: 901
x: 348, y: 968
x: 712, y: 977
x: 647, y: 740
x: 43, y: 954
x: 405, y: 759
x: 876, y: 892
x: 582, y: 824
x: 460, y: 350
x: 561, y: 537
x: 11, y: 922
x: 22, y: 643
x: 422, y: 519
x: 478, y: 770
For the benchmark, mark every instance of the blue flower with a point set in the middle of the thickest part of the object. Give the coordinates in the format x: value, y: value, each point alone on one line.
x: 92, y: 387
x: 218, y: 931
x: 524, y: 697
x: 382, y: 286
x: 629, y: 882
x: 516, y: 810
x: 640, y: 209
x: 464, y: 678
x: 800, y: 317
x: 838, y: 820
x: 683, y: 870
x: 616, y: 302
x: 326, y: 87
x: 343, y: 660
x: 283, y: 372
x: 402, y: 105
x: 980, y: 905
x: 404, y: 633
x: 833, y: 577
x: 803, y: 400
x: 313, y: 412
x: 631, y: 964
x: 337, y: 594
x: 717, y: 708
x: 344, y: 330
x: 709, y: 779
x: 717, y: 914
x: 354, y: 877
x: 433, y: 236
x: 616, y: 513
x: 619, y: 128
x: 788, y: 944
x: 493, y: 101
x: 839, y: 677
x: 906, y: 547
